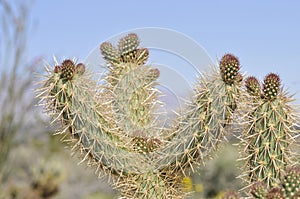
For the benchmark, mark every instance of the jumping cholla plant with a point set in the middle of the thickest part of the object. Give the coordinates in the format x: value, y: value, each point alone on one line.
x: 116, y: 128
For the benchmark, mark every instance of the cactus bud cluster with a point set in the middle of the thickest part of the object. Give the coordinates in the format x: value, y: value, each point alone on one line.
x: 271, y: 86
x: 127, y: 51
x: 110, y: 53
x: 68, y: 69
x: 253, y: 86
x: 230, y: 66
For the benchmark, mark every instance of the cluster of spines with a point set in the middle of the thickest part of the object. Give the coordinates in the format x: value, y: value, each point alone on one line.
x: 269, y: 130
x: 132, y: 85
x: 259, y: 190
x: 134, y: 99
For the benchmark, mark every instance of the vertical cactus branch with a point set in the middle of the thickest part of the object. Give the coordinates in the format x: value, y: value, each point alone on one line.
x: 204, y: 124
x: 269, y: 130
x: 132, y: 85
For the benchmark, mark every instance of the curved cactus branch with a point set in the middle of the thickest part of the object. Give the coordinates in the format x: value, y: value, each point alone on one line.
x: 69, y: 98
x: 204, y: 123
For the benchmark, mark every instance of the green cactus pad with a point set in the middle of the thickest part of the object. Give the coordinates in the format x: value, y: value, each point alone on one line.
x: 203, y: 125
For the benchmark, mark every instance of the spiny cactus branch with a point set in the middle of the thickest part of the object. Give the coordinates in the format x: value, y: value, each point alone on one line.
x: 69, y: 97
x: 269, y: 130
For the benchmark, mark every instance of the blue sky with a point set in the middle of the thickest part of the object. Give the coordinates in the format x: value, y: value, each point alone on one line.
x: 265, y: 35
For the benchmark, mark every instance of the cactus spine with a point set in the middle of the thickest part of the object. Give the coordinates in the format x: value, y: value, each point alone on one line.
x: 116, y: 130
x: 269, y: 130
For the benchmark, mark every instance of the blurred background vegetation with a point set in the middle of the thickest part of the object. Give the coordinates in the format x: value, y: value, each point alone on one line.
x: 33, y: 163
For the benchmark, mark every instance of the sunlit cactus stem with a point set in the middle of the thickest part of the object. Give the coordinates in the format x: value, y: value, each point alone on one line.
x: 206, y: 119
x: 269, y: 130
x: 132, y: 86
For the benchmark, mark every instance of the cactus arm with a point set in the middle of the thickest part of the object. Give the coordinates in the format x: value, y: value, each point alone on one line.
x: 269, y: 131
x: 134, y: 100
x: 70, y: 99
x: 204, y: 123
x: 132, y: 85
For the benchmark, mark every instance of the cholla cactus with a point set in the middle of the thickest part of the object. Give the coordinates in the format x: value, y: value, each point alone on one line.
x: 269, y: 130
x: 116, y: 129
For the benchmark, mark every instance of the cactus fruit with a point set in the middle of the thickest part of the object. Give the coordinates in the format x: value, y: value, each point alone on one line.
x: 259, y: 190
x: 110, y: 53
x: 253, y: 86
x: 229, y: 66
x: 269, y: 131
x: 291, y: 183
x: 114, y: 125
